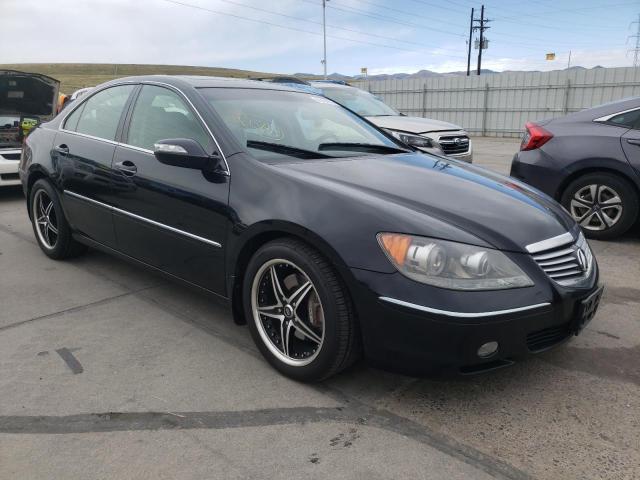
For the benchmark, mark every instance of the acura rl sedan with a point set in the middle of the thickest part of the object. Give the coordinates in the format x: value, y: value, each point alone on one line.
x: 330, y: 238
x: 590, y: 162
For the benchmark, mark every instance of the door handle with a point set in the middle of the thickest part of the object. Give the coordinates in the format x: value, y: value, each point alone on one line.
x: 62, y: 149
x: 633, y: 141
x: 127, y: 167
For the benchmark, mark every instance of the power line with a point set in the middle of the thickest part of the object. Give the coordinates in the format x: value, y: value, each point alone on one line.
x: 360, y: 32
x: 405, y: 12
x: 286, y: 27
x: 375, y: 16
x: 570, y: 10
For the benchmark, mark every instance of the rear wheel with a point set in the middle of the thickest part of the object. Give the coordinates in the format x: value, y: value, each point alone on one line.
x: 604, y: 205
x: 299, y: 313
x: 49, y: 224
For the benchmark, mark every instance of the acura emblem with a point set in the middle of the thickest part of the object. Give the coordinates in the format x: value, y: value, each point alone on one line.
x: 582, y: 260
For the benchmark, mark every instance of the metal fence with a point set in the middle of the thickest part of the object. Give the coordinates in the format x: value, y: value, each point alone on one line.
x: 500, y: 104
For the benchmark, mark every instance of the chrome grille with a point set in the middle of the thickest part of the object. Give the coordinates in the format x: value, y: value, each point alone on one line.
x: 454, y: 144
x: 568, y: 263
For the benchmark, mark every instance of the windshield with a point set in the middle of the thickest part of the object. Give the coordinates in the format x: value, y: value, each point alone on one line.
x: 361, y: 102
x: 279, y: 125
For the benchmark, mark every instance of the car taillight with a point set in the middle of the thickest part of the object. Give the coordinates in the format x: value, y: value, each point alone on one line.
x: 534, y: 136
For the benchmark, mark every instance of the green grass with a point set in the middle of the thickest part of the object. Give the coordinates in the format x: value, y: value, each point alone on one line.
x: 78, y: 75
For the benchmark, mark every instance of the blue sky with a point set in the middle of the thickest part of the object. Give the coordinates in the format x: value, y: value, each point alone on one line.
x: 386, y: 36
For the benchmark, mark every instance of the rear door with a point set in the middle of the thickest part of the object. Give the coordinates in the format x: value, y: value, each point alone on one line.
x: 83, y: 152
x: 172, y: 218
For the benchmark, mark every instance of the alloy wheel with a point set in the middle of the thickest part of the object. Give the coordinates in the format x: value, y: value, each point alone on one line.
x: 288, y: 312
x: 596, y: 207
x: 44, y: 214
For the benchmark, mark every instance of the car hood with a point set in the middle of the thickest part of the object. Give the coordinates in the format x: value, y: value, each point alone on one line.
x: 412, y: 124
x: 499, y: 211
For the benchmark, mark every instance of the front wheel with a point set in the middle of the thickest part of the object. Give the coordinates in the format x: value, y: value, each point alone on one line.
x: 604, y: 205
x: 298, y: 311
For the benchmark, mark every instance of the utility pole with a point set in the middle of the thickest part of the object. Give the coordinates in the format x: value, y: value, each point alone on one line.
x: 636, y: 50
x: 569, y: 61
x: 482, y: 27
x: 324, y: 35
x: 469, y: 46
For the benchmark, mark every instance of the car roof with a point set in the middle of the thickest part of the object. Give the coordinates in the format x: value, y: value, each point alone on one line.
x: 201, y: 81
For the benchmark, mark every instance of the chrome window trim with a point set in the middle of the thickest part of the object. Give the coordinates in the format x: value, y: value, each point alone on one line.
x: 549, y: 243
x: 462, y: 314
x: 606, y: 118
x: 134, y: 147
x: 106, y: 140
x: 143, y: 219
x: 79, y: 103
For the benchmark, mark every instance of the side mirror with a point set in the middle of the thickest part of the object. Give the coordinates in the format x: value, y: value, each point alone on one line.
x: 185, y: 153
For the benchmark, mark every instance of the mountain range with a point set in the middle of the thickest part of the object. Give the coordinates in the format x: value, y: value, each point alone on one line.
x: 418, y: 74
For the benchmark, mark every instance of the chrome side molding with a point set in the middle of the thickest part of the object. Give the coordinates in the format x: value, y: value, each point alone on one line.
x: 447, y: 313
x: 549, y: 243
x: 143, y: 219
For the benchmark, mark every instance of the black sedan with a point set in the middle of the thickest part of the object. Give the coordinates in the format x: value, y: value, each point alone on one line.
x: 590, y: 162
x: 325, y: 234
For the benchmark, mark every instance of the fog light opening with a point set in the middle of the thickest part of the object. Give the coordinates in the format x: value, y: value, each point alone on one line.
x: 488, y: 349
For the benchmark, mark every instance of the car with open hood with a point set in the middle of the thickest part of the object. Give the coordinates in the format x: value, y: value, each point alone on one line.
x: 329, y: 237
x: 427, y: 134
x: 25, y: 100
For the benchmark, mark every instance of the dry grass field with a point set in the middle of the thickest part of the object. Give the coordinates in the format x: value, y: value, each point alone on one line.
x: 77, y: 75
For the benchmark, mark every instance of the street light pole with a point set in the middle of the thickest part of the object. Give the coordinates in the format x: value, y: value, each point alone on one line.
x: 324, y: 36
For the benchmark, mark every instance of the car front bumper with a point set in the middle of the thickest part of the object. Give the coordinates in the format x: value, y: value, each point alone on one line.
x: 9, y: 162
x: 412, y: 336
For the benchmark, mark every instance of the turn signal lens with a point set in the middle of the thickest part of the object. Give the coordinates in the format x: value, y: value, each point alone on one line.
x: 396, y: 246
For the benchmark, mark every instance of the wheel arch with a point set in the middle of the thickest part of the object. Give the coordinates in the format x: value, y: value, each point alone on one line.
x: 260, y: 234
x: 591, y: 168
x: 35, y: 173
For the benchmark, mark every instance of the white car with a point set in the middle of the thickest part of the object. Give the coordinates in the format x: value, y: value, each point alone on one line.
x: 433, y: 136
x: 25, y: 100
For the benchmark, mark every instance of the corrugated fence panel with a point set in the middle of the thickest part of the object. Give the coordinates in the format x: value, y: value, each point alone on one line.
x: 500, y: 104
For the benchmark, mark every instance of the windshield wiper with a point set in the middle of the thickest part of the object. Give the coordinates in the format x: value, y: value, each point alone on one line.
x: 362, y: 147
x: 285, y: 149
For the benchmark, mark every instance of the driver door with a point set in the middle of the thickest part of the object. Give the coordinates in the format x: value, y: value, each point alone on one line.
x: 169, y: 217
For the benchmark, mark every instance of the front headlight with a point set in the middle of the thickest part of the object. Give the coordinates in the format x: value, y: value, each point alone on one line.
x: 413, y: 140
x: 451, y: 265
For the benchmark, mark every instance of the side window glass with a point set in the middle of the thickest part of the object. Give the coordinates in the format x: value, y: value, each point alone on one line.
x: 159, y: 114
x: 627, y: 119
x: 101, y: 113
x: 71, y: 123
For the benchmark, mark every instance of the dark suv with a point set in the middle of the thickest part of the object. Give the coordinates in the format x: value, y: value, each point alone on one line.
x: 590, y: 162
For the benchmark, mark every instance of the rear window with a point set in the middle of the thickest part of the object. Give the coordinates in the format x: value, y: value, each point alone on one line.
x: 627, y: 119
x: 100, y: 114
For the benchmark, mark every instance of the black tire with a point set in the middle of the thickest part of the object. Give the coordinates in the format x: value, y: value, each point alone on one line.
x: 64, y: 246
x: 628, y: 200
x: 341, y: 344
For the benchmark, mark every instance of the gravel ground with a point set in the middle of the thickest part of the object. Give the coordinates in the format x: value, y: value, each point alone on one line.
x: 109, y: 371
